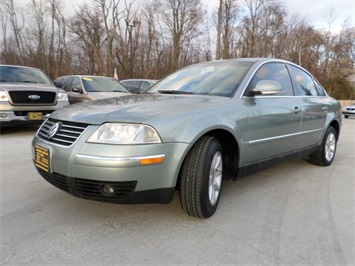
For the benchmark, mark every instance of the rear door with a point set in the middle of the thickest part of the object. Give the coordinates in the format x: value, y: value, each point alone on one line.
x: 314, y: 107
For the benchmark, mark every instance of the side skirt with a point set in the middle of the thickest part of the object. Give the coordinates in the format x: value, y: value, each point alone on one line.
x: 271, y: 162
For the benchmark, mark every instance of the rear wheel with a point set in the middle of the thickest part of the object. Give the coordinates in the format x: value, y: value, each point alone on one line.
x: 325, y: 153
x: 201, y: 178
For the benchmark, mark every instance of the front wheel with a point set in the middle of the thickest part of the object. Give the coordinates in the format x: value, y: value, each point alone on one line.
x: 201, y: 178
x: 325, y: 153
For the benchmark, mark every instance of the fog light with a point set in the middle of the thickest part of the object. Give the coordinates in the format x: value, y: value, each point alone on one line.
x: 3, y: 115
x: 107, y: 190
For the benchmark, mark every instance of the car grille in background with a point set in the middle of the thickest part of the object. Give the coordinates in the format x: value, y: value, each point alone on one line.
x: 33, y: 97
x: 66, y: 135
x: 90, y: 189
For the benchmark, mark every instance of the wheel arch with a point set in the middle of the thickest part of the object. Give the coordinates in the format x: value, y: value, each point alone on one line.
x: 336, y: 125
x: 231, y: 152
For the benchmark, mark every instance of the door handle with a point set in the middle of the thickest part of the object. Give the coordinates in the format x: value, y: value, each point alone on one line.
x: 296, y: 110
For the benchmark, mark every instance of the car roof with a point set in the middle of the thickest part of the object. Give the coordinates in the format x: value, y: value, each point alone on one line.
x: 18, y: 66
x: 149, y: 80
x: 84, y: 76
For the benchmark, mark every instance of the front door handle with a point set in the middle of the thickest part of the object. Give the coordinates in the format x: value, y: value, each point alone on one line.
x: 296, y: 110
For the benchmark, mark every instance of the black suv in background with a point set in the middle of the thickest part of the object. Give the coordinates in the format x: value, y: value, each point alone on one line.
x: 27, y: 95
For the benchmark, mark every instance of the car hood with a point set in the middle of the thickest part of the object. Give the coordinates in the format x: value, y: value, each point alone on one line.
x: 135, y: 108
x: 26, y: 86
x: 106, y: 94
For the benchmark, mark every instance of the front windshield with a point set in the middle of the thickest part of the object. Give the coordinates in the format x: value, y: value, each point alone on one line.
x: 102, y: 84
x: 220, y: 78
x: 18, y: 74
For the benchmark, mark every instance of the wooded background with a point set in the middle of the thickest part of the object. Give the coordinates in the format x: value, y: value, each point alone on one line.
x: 153, y: 39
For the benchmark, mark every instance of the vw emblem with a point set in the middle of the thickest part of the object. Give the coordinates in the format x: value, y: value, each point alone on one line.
x: 53, y: 130
x: 34, y: 97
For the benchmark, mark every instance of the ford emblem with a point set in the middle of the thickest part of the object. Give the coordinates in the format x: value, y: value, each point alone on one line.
x: 53, y: 130
x: 34, y: 97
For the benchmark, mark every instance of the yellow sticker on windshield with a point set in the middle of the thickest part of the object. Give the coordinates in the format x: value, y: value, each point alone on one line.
x: 88, y: 79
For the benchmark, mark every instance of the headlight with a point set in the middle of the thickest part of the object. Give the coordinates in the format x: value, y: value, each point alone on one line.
x: 3, y: 97
x: 62, y: 97
x: 115, y: 133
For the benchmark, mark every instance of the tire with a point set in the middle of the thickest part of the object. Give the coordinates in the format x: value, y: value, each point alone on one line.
x: 325, y: 153
x: 201, y: 178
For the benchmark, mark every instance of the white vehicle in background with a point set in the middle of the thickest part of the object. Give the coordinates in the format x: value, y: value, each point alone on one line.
x: 348, y: 110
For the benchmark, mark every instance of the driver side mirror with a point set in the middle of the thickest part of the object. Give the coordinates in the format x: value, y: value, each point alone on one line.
x: 266, y: 87
x: 76, y: 90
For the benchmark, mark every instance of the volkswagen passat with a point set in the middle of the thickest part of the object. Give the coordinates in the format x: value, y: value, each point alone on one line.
x: 205, y: 123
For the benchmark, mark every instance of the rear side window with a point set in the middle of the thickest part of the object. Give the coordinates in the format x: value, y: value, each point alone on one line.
x: 303, y: 82
x: 275, y: 72
x: 319, y: 88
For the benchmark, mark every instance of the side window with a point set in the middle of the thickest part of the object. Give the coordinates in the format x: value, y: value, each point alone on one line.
x: 144, y: 85
x: 275, y: 72
x: 66, y: 83
x: 75, y: 84
x: 303, y: 82
x: 319, y: 88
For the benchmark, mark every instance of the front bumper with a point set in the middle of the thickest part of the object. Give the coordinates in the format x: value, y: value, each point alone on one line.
x: 11, y: 115
x: 84, y: 169
x: 349, y: 113
x: 123, y: 191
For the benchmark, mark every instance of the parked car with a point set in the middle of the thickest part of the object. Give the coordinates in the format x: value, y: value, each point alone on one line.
x: 348, y: 111
x: 27, y: 95
x: 83, y: 88
x: 207, y: 122
x: 138, y: 85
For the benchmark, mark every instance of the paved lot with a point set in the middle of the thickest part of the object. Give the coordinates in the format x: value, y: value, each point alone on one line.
x: 292, y: 214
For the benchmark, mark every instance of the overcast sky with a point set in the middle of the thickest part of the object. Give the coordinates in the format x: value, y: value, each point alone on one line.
x: 316, y: 11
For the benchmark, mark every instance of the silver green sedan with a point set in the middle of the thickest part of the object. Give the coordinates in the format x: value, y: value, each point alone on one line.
x: 205, y: 123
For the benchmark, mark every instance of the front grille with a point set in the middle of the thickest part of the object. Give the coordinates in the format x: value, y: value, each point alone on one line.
x: 33, y: 97
x: 90, y: 189
x: 65, y: 133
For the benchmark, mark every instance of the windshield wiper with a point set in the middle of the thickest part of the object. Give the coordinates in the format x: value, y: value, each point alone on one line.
x: 175, y: 92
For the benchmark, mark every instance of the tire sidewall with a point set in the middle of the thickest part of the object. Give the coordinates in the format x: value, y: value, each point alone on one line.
x: 325, y: 161
x: 207, y: 208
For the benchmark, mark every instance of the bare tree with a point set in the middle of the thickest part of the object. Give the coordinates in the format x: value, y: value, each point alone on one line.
x: 16, y: 26
x: 264, y: 20
x: 227, y: 15
x: 183, y: 19
x: 87, y: 26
